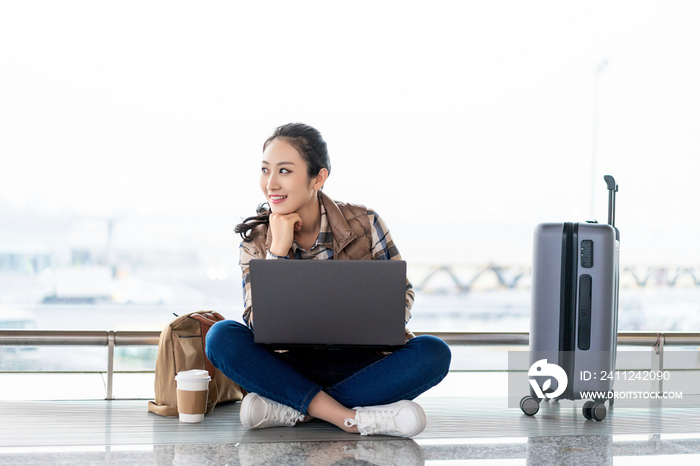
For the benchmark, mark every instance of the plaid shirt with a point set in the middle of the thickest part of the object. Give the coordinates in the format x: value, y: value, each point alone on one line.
x: 383, y: 248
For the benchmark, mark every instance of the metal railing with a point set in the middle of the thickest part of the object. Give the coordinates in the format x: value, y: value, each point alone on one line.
x: 463, y: 278
x: 112, y: 338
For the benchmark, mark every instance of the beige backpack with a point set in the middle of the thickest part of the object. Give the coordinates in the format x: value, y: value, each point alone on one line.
x: 181, y: 348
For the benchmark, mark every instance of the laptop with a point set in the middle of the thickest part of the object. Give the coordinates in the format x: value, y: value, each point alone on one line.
x: 329, y: 303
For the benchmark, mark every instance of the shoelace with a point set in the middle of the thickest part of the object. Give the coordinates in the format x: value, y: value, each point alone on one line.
x: 370, y: 422
x: 284, y: 414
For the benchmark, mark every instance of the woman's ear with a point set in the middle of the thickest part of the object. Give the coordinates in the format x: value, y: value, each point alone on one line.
x: 320, y: 179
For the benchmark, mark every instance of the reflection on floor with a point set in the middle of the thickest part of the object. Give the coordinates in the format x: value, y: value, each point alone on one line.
x: 576, y: 450
x: 460, y: 430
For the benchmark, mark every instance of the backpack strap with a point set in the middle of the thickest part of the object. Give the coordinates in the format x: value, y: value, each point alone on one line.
x: 206, y: 320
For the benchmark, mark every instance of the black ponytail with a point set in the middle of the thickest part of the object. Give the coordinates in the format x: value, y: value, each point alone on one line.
x: 246, y: 227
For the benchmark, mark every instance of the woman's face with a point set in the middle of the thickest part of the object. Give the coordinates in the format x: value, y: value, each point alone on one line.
x: 283, y: 178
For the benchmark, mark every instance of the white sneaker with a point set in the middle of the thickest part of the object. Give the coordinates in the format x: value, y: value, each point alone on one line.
x: 401, y: 419
x: 258, y: 412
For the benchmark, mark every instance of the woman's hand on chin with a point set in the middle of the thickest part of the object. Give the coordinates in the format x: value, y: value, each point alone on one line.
x: 283, y: 227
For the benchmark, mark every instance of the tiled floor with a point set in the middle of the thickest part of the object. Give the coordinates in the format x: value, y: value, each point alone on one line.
x: 460, y: 430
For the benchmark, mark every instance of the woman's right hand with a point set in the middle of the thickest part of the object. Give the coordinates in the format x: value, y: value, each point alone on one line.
x: 283, y: 227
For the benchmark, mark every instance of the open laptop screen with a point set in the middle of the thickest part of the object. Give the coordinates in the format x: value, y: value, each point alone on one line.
x: 329, y: 302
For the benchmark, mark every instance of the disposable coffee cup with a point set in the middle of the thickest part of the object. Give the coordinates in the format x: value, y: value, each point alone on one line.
x: 192, y: 394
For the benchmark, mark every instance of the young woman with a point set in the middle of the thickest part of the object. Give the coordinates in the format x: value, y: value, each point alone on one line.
x: 358, y: 390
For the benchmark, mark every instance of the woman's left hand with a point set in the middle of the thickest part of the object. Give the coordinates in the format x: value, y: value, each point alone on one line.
x: 283, y: 227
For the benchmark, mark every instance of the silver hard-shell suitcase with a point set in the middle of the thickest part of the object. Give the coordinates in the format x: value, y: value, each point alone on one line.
x: 573, y: 320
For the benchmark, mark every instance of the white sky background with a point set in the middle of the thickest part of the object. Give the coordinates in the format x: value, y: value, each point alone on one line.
x: 461, y: 123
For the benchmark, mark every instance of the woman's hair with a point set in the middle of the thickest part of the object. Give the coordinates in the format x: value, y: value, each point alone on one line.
x: 312, y: 149
x: 308, y: 142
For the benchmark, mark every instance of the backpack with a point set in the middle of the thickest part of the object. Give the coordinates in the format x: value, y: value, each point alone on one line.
x: 181, y: 348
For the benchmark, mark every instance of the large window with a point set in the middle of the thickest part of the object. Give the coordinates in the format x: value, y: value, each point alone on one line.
x: 132, y: 132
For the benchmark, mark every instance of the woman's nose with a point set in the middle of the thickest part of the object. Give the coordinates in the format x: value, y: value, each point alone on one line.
x: 272, y: 183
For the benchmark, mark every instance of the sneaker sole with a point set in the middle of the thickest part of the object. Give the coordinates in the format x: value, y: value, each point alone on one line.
x: 420, y: 414
x: 245, y: 411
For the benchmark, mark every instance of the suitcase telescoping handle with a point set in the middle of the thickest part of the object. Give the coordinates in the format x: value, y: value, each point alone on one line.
x: 612, y: 189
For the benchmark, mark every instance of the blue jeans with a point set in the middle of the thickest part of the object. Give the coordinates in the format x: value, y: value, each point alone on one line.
x: 353, y: 377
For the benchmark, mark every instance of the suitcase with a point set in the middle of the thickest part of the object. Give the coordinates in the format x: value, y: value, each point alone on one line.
x: 573, y: 320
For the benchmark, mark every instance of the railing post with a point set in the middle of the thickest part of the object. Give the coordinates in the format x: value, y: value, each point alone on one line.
x: 657, y: 363
x: 110, y: 363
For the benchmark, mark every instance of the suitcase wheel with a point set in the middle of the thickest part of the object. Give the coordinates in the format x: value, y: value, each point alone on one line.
x: 530, y: 405
x: 594, y: 410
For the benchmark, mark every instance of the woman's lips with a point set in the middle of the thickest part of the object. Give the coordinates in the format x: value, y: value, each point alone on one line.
x: 277, y: 199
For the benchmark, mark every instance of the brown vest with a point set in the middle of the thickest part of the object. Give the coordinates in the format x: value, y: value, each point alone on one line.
x: 349, y: 223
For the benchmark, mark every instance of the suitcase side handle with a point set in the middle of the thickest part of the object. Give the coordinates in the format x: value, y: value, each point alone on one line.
x: 612, y: 189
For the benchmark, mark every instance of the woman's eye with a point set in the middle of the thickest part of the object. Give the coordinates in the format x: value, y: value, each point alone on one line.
x: 284, y: 170
x: 264, y: 170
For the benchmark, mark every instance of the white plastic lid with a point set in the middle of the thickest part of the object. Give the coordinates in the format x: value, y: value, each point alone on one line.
x: 194, y: 375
